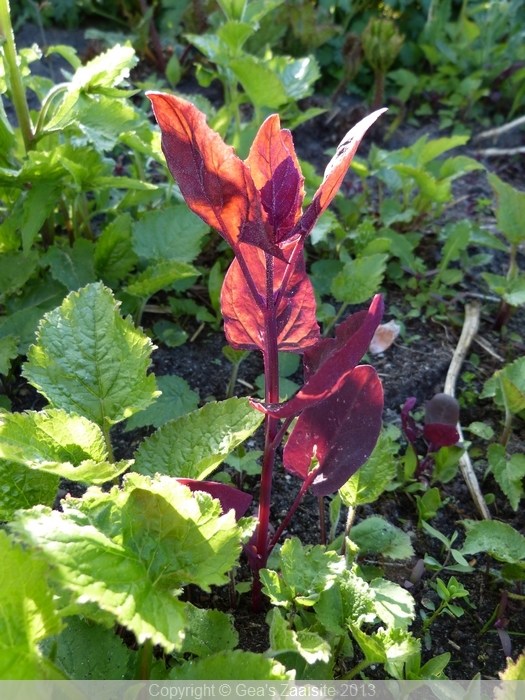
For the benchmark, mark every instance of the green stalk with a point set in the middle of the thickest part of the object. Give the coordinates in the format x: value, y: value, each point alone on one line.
x: 145, y: 658
x: 15, y: 79
x: 335, y: 319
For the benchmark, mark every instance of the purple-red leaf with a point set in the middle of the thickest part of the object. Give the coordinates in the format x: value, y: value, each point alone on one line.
x: 328, y: 363
x: 244, y: 322
x: 408, y: 423
x: 341, y: 432
x: 442, y: 408
x: 334, y: 174
x: 229, y: 497
x: 215, y: 183
x: 277, y: 175
x: 440, y: 435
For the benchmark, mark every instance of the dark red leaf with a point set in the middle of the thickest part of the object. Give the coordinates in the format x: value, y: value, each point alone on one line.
x: 408, y: 423
x: 277, y: 175
x: 442, y: 408
x: 329, y: 361
x: 244, y: 325
x: 215, y: 183
x: 440, y: 435
x: 341, y: 432
x: 228, y: 496
x: 334, y: 174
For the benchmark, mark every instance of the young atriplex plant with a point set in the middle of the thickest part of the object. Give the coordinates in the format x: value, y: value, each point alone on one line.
x: 268, y: 302
x: 441, y: 418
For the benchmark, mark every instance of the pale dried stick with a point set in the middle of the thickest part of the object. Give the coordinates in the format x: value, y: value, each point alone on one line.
x: 469, y: 330
x: 500, y: 129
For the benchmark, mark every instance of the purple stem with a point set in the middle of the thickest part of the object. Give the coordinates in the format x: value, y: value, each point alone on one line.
x: 304, y: 488
x: 271, y: 428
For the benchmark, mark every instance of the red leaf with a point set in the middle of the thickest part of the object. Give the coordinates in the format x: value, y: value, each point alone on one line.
x: 229, y: 497
x: 440, y: 435
x: 341, y: 432
x: 328, y: 363
x: 297, y: 327
x: 277, y: 175
x: 215, y: 183
x: 334, y: 174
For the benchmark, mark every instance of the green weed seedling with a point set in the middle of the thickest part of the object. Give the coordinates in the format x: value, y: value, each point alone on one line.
x: 447, y: 592
x: 448, y: 550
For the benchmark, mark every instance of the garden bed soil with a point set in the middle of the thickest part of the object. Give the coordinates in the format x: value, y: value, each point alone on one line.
x: 415, y: 365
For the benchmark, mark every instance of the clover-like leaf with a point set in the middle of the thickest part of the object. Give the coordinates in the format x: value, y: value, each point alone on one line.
x: 89, y: 360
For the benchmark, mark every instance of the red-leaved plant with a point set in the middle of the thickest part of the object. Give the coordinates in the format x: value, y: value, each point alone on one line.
x: 268, y: 302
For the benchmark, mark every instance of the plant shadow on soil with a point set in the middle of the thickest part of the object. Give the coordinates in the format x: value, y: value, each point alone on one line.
x: 414, y: 366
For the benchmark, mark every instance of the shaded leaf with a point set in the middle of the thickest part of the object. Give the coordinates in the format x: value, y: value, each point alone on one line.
x: 341, y: 432
x: 21, y: 487
x: 231, y: 665
x: 176, y: 400
x: 72, y: 267
x: 499, y: 539
x: 208, y: 632
x: 375, y: 535
x: 171, y: 234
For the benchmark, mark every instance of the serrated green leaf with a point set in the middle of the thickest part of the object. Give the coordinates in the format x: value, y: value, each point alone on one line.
x: 386, y: 646
x: 308, y: 571
x: 34, y: 438
x: 376, y: 535
x: 23, y: 325
x: 38, y: 204
x: 15, y: 270
x: 171, y: 234
x: 86, y: 651
x: 158, y: 276
x: 208, y: 632
x: 283, y: 640
x: 350, y: 598
x: 72, y: 267
x: 194, y: 445
x: 232, y: 665
x: 499, y: 539
x: 393, y: 605
x: 510, y: 212
x: 234, y: 34
x: 359, y: 279
x: 369, y: 482
x: 8, y: 352
x: 88, y: 472
x: 514, y: 671
x: 176, y: 400
x: 105, y: 70
x: 27, y: 614
x: 275, y: 588
x: 128, y: 551
x: 21, y: 487
x: 114, y: 256
x: 89, y: 360
x: 508, y: 473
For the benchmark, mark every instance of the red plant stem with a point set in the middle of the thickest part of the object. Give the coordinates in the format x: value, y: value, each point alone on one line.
x: 304, y: 488
x: 271, y: 428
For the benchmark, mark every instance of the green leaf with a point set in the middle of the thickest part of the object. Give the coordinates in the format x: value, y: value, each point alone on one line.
x: 482, y: 430
x: 260, y: 83
x: 27, y: 614
x: 114, y: 257
x: 88, y: 472
x: 194, y: 445
x: 36, y: 438
x: 324, y: 225
x: 89, y: 360
x: 8, y: 352
x: 128, y: 551
x: 500, y: 540
x: 296, y: 75
x: 171, y: 334
x: 359, y: 279
x: 309, y: 645
x: 375, y: 535
x: 386, y: 646
x: 307, y: 571
x: 174, y: 233
x: 508, y: 473
x: 513, y: 291
x: 235, y: 34
x: 349, y: 599
x: 86, y: 651
x: 15, y: 270
x: 232, y: 665
x: 510, y: 212
x: 158, y: 276
x: 507, y: 386
x: 208, y: 632
x: 176, y: 400
x: 369, y: 482
x: 38, y: 205
x: 24, y: 488
x: 515, y: 671
x: 457, y: 238
x: 436, y: 147
x: 72, y: 267
x: 105, y: 70
x: 393, y: 605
